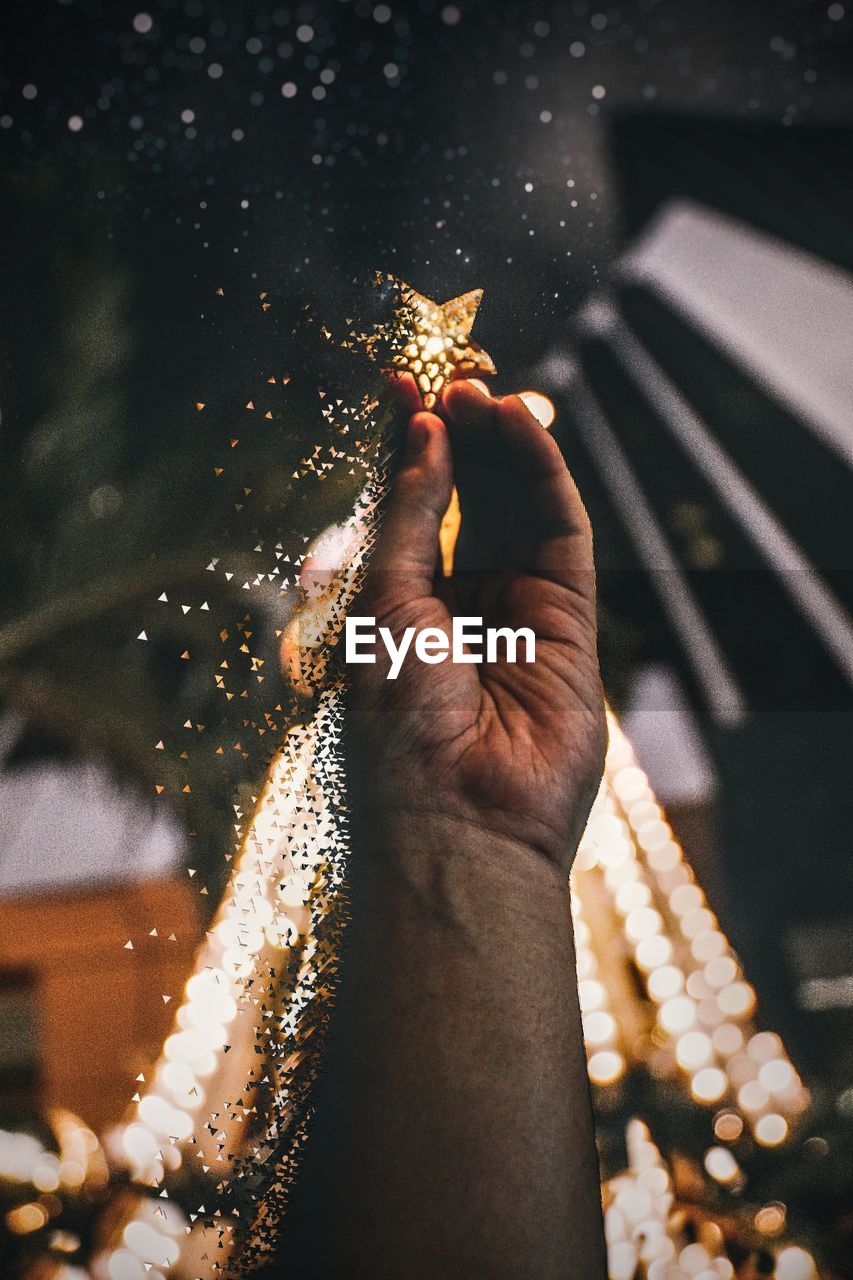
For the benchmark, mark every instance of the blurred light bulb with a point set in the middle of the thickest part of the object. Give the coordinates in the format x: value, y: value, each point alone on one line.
x: 728, y: 1126
x: 709, y: 1084
x: 771, y: 1130
x: 693, y: 1050
x: 540, y: 406
x: 653, y: 951
x: 777, y: 1075
x: 605, y: 1067
x: 795, y: 1264
x: 677, y: 1015
x: 665, y: 982
x: 770, y: 1219
x: 598, y: 1028
x: 737, y: 1000
x: 752, y: 1096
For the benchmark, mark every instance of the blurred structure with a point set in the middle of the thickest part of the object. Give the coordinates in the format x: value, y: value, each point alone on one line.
x: 662, y: 728
x: 99, y: 930
x: 711, y: 431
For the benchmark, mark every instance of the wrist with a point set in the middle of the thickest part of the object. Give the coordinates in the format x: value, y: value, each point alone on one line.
x: 395, y: 810
x: 451, y: 866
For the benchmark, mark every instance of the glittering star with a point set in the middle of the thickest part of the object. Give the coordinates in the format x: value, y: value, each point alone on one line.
x: 440, y: 343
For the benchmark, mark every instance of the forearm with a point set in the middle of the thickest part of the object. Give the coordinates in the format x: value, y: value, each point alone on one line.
x: 454, y: 1134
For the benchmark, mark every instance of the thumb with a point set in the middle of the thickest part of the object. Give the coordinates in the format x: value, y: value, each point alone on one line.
x: 403, y: 562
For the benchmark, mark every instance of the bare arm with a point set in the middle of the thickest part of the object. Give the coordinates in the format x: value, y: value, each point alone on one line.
x: 454, y: 1133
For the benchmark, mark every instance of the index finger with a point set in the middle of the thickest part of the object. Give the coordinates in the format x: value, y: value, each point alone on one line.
x: 545, y: 503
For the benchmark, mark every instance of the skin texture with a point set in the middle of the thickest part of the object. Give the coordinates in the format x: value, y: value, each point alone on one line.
x: 453, y: 1134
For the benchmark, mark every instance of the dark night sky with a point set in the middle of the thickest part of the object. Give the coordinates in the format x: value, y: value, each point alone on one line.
x: 192, y: 144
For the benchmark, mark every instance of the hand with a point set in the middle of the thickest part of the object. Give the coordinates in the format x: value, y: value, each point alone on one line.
x: 514, y: 750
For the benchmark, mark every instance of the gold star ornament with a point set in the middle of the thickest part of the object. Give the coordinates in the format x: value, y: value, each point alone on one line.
x: 439, y: 345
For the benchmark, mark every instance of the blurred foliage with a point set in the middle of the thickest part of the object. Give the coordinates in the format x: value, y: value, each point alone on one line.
x: 116, y: 488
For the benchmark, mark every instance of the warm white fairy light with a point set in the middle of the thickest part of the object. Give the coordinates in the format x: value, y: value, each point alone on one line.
x: 79, y: 1161
x: 540, y: 406
x: 693, y: 980
x: 728, y: 1126
x: 665, y: 982
x: 599, y: 1029
x: 649, y: 1237
x: 645, y: 1237
x: 709, y: 1084
x: 721, y: 1164
x: 602, y: 1036
x: 728, y: 1039
x: 653, y: 953
x: 677, y: 1016
x: 795, y: 1264
x: 771, y: 1129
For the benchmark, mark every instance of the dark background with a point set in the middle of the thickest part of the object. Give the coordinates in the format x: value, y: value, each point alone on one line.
x: 458, y: 145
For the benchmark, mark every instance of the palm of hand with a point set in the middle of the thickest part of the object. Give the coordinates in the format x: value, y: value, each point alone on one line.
x: 512, y: 748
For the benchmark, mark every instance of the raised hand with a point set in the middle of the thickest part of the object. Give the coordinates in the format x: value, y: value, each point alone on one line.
x: 453, y: 1135
x: 510, y: 747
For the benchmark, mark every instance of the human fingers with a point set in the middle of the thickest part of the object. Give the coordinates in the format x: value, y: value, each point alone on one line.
x: 549, y: 511
x: 404, y: 389
x: 479, y: 473
x: 403, y: 561
x: 520, y: 505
